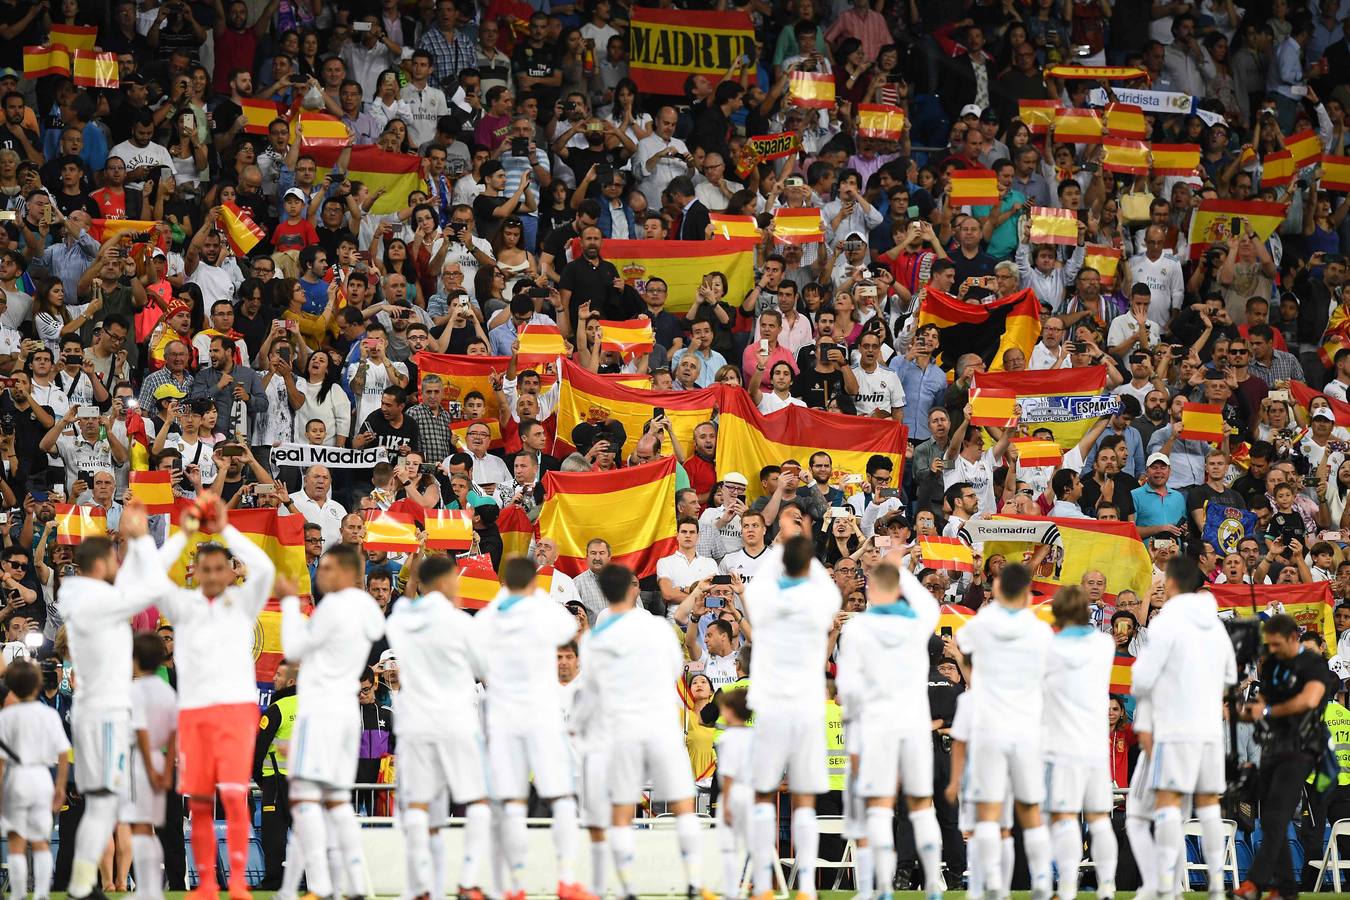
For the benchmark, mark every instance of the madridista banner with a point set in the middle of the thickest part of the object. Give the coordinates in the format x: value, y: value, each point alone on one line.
x: 666, y: 46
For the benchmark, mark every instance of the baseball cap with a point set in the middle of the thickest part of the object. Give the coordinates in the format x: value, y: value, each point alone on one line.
x: 1324, y: 413
x: 294, y: 192
x: 160, y: 253
x: 989, y: 115
x: 971, y: 109
x: 1155, y: 458
x: 169, y: 392
x: 133, y: 78
x: 735, y: 478
x: 7, y: 72
x: 388, y: 661
x: 575, y: 607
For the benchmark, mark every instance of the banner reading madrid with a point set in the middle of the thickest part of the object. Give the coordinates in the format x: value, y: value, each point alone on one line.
x: 586, y: 397
x: 666, y: 46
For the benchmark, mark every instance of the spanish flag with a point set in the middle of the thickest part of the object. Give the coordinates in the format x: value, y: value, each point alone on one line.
x: 242, y: 232
x: 1033, y: 452
x: 948, y: 553
x: 1085, y: 382
x: 1050, y: 225
x: 973, y: 187
x: 282, y: 538
x: 1175, y: 159
x: 683, y: 264
x: 952, y: 618
x: 586, y: 397
x: 1336, y: 337
x: 1037, y: 115
x: 629, y: 338
x: 540, y: 346
x: 399, y: 174
x: 1125, y: 156
x: 75, y: 523
x: 729, y: 226
x: 462, y: 375
x: 886, y: 123
x: 747, y: 440
x: 1202, y: 422
x: 1097, y: 73
x: 96, y: 70
x: 1078, y: 126
x: 1106, y: 260
x: 1213, y: 221
x: 1309, y: 604
x: 459, y: 432
x: 517, y: 531
x: 1125, y: 120
x: 154, y: 489
x: 45, y: 60
x: 1277, y: 168
x: 1122, y: 674
x: 797, y: 226
x: 74, y: 37
x: 1336, y: 173
x: 992, y: 407
x: 449, y: 529
x: 395, y: 532
x: 320, y: 130
x: 813, y: 90
x: 633, y: 509
x: 478, y: 584
x: 1306, y: 147
x: 987, y: 330
x: 259, y: 113
x: 1083, y: 545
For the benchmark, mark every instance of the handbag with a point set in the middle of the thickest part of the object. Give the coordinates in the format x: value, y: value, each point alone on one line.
x: 1134, y: 207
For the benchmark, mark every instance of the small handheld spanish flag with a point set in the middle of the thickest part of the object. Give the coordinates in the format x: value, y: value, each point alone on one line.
x: 878, y: 121
x: 1305, y: 146
x: 321, y: 130
x: 990, y: 406
x: 478, y: 583
x: 973, y: 187
x: 946, y: 553
x: 1202, y: 422
x: 1175, y: 159
x: 1053, y: 226
x: 1122, y: 674
x: 1037, y: 115
x: 45, y: 60
x: 952, y: 617
x: 1125, y: 156
x: 797, y: 226
x: 1034, y: 452
x: 1126, y: 120
x: 449, y: 529
x: 1277, y: 168
x: 154, y: 489
x: 390, y: 531
x: 75, y: 523
x: 813, y: 90
x: 1106, y: 260
x: 728, y: 226
x: 540, y: 345
x: 1078, y: 126
x: 629, y: 338
x: 74, y: 37
x: 1336, y: 173
x: 243, y: 233
x: 97, y: 70
x: 259, y: 114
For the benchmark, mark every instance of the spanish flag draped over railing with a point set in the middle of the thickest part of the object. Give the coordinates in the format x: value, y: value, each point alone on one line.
x: 948, y: 553
x: 683, y: 264
x: 461, y: 375
x: 633, y: 509
x: 973, y: 187
x: 399, y: 174
x: 1212, y: 221
x: 1309, y: 604
x: 987, y: 330
x: 747, y: 440
x: 1202, y: 422
x: 1089, y: 381
x: 586, y: 397
x: 75, y: 523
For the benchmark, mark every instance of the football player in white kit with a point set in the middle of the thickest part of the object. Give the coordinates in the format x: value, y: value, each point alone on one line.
x: 587, y: 729
x: 97, y: 605
x: 883, y: 673
x: 634, y: 659
x: 331, y: 647
x: 521, y: 631
x: 1007, y: 647
x: 1184, y: 670
x: 440, y: 744
x: 733, y: 773
x: 792, y: 611
x: 1078, y: 774
x: 154, y: 720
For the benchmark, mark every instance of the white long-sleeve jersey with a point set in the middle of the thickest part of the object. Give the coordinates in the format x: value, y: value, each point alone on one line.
x: 883, y: 660
x: 792, y: 619
x: 1077, y: 694
x: 634, y: 659
x: 520, y: 637
x: 1184, y: 669
x: 586, y: 722
x: 213, y: 637
x: 332, y: 646
x: 98, y: 626
x: 438, y: 665
x: 1008, y: 650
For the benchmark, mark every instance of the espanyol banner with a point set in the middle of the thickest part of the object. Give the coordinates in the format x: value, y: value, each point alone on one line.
x: 1039, y: 410
x: 304, y: 455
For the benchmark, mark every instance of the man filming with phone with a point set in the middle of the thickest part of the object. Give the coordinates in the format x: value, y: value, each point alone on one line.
x: 710, y: 639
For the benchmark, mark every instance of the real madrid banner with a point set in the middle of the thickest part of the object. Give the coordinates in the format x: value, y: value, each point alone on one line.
x: 666, y: 46
x: 333, y: 457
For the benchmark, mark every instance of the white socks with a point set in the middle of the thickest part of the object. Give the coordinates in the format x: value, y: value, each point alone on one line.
x: 342, y: 823
x: 515, y: 843
x: 762, y: 840
x: 1007, y: 856
x: 1036, y: 843
x: 1144, y: 850
x: 1166, y: 835
x: 882, y: 839
x: 865, y: 869
x: 148, y: 857
x: 437, y: 844
x: 806, y: 842
x: 989, y: 839
x: 417, y: 857
x: 1212, y: 839
x: 564, y: 832
x: 691, y: 848
x: 1105, y: 855
x: 975, y: 886
x: 477, y: 839
x: 312, y: 831
x: 91, y: 837
x: 1067, y: 841
x: 599, y: 867
x: 42, y: 872
x: 18, y: 875
x: 623, y: 844
x: 731, y: 861
x: 294, y: 868
x: 928, y: 842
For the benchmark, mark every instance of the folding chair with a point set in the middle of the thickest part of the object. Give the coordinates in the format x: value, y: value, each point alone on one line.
x: 1332, y: 859
x: 831, y: 825
x: 1193, y: 829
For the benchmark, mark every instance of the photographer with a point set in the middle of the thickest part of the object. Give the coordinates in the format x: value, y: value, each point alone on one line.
x: 1294, y: 688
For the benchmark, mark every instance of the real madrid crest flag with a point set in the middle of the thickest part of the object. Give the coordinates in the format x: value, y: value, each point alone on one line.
x: 1226, y: 526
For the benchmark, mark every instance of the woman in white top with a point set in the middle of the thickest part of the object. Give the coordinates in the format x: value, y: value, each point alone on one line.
x: 324, y: 400
x: 627, y: 114
x: 780, y: 397
x: 386, y: 105
x: 187, y: 153
x: 513, y: 260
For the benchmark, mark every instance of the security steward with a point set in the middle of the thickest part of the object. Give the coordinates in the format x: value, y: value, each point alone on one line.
x: 1332, y: 804
x: 271, y: 753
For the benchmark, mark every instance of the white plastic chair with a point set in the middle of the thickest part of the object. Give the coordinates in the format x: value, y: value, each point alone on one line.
x: 831, y: 825
x: 1193, y: 829
x: 1331, y: 857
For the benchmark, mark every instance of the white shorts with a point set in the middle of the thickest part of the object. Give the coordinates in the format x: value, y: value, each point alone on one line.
x: 740, y: 801
x: 142, y: 805
x: 891, y: 757
x: 1073, y: 787
x: 514, y: 755
x: 1188, y: 767
x: 324, y: 750
x: 792, y: 741
x: 967, y: 815
x: 999, y: 766
x: 102, y: 751
x: 427, y: 767
x: 1141, y: 801
x: 32, y: 822
x: 855, y: 809
x: 596, y: 810
x: 657, y: 756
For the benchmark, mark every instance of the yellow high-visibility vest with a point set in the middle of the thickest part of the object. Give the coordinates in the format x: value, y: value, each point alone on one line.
x: 836, y: 757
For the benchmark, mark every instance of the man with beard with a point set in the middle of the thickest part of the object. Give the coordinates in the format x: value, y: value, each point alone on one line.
x: 113, y: 199
x: 595, y: 279
x: 1154, y: 415
x: 237, y: 44
x: 13, y: 135
x: 206, y: 265
x: 229, y: 115
x: 142, y: 155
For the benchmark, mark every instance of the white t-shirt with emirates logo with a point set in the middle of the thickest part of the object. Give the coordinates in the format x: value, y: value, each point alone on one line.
x: 878, y: 390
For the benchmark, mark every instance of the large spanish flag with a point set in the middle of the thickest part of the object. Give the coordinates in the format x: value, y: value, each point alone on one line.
x: 260, y: 114
x: 952, y: 554
x: 75, y: 523
x: 729, y: 226
x: 1037, y: 115
x: 1277, y: 168
x: 1084, y: 545
x: 1125, y: 156
x: 586, y: 397
x: 1055, y: 384
x: 1126, y: 120
x: 1077, y: 126
x: 813, y: 90
x: 1097, y: 73
x: 973, y: 187
x: 1106, y: 260
x: 398, y: 173
x: 1212, y: 221
x: 1305, y: 146
x: 154, y: 489
x: 747, y: 440
x: 1303, y: 395
x: 540, y: 346
x: 1309, y: 604
x: 45, y: 60
x: 1051, y: 225
x: 988, y: 330
x: 631, y: 337
x: 1202, y: 422
x: 1175, y: 159
x: 96, y: 70
x: 74, y: 37
x: 463, y: 374
x: 797, y: 226
x: 878, y: 121
x: 683, y: 264
x: 1336, y: 337
x: 1336, y: 173
x: 666, y: 46
x: 243, y: 233
x: 633, y: 509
